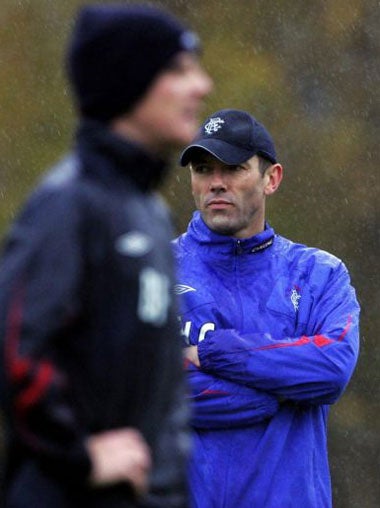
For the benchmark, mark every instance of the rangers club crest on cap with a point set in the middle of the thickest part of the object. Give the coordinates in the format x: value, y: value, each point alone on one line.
x: 213, y: 125
x: 233, y: 136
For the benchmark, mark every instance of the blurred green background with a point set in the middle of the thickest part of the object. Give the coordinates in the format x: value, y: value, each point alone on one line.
x: 309, y: 70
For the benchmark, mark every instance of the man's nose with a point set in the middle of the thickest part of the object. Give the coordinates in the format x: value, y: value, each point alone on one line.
x: 217, y: 181
x: 203, y: 81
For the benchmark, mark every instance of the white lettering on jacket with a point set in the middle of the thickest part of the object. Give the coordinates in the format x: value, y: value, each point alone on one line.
x: 154, y: 297
x: 206, y: 327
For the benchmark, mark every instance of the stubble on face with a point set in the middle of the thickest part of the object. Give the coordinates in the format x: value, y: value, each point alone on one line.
x: 232, y: 205
x: 220, y: 222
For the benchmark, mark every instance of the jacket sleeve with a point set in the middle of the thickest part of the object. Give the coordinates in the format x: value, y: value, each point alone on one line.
x: 39, y: 279
x: 311, y: 368
x: 217, y: 403
x: 168, y: 486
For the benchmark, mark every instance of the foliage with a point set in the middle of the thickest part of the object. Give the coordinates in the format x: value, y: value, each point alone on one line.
x: 309, y: 71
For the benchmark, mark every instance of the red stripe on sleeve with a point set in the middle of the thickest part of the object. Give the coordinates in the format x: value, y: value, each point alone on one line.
x: 35, y: 391
x: 37, y: 376
x: 346, y: 329
x: 300, y: 342
x: 318, y: 340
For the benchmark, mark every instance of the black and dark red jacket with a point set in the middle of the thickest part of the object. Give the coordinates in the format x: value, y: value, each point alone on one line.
x: 89, y: 333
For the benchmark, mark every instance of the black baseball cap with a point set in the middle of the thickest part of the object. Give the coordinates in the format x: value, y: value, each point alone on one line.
x: 232, y: 136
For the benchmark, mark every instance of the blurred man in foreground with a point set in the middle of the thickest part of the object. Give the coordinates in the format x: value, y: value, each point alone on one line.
x: 91, y: 366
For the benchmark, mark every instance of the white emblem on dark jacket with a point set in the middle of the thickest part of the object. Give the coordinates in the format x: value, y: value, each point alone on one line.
x: 134, y: 244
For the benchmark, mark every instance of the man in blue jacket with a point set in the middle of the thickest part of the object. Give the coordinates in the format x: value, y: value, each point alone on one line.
x: 271, y: 326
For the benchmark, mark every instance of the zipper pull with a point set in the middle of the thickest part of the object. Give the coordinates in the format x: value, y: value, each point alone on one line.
x: 238, y: 248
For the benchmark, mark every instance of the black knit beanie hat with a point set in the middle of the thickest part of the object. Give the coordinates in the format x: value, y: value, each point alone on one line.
x: 117, y: 50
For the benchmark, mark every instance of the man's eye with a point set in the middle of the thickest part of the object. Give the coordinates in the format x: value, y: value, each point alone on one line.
x: 176, y: 68
x: 201, y: 169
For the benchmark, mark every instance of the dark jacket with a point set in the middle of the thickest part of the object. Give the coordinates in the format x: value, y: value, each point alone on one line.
x: 89, y: 337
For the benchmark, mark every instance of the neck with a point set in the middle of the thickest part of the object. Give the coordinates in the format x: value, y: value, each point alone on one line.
x: 131, y: 132
x: 252, y: 230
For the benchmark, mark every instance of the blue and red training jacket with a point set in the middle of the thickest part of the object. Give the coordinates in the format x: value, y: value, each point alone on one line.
x: 276, y: 325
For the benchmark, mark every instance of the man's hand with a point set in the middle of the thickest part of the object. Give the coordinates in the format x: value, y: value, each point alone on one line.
x: 191, y: 354
x: 120, y: 455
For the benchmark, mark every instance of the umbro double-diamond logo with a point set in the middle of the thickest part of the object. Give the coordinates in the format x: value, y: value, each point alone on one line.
x: 181, y: 289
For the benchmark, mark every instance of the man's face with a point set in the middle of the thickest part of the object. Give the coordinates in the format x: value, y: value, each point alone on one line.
x: 231, y: 199
x: 167, y: 117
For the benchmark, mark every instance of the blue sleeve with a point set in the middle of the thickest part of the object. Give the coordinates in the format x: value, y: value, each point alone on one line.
x: 218, y: 403
x: 311, y: 368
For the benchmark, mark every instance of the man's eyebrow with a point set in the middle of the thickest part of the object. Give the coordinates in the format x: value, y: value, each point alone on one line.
x: 201, y: 160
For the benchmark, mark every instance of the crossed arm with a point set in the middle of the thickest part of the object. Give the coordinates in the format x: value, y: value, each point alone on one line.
x: 306, y: 369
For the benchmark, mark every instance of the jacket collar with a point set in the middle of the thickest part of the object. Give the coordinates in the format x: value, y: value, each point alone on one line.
x: 112, y: 158
x: 226, y: 245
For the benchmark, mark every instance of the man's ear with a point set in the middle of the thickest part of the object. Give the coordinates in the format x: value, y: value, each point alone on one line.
x: 273, y: 176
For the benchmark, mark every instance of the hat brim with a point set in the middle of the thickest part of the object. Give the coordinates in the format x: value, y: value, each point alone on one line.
x: 225, y: 152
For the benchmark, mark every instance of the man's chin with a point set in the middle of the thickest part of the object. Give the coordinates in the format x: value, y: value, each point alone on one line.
x: 221, y: 225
